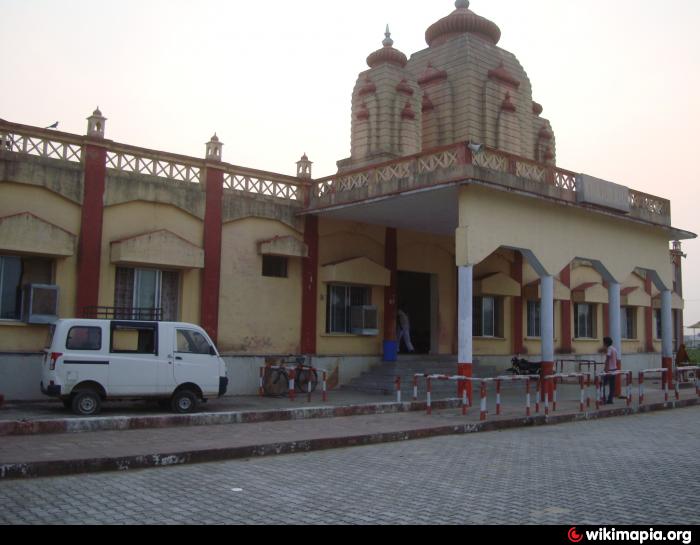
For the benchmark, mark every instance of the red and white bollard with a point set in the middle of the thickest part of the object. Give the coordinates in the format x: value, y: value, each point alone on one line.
x: 537, y: 397
x: 527, y: 397
x: 546, y: 398
x: 466, y: 403
x: 629, y: 388
x: 415, y: 388
x: 498, y: 398
x: 292, y: 393
x: 261, y: 390
x: 663, y: 374
x: 582, y: 404
x: 430, y: 392
x: 484, y: 412
x: 398, y: 389
x: 554, y: 393
x: 325, y: 386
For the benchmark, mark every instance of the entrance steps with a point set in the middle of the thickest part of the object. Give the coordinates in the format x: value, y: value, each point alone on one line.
x: 381, y: 379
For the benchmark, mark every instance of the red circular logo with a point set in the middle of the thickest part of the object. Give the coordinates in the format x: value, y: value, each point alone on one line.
x: 574, y: 536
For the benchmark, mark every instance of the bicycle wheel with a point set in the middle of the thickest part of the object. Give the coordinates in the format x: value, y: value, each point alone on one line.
x: 275, y: 382
x: 303, y: 377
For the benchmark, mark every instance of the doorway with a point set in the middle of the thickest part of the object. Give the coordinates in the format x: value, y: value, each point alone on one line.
x: 415, y: 296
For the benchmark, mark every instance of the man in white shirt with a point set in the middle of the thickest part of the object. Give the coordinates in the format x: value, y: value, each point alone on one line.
x: 611, y: 358
x: 405, y: 331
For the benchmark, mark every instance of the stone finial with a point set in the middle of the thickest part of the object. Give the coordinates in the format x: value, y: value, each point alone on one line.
x: 96, y: 124
x: 462, y: 4
x: 304, y: 168
x: 214, y: 149
x: 388, y: 42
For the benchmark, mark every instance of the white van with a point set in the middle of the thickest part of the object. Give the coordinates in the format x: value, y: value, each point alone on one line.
x: 90, y: 361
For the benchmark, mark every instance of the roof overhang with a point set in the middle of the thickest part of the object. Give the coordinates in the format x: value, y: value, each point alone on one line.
x: 157, y: 249
x: 497, y: 284
x: 590, y: 293
x: 360, y: 271
x: 634, y: 297
x: 533, y: 291
x: 284, y: 247
x: 26, y: 233
x: 677, y: 302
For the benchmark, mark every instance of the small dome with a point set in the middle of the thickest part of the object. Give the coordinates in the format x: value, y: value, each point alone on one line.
x: 462, y: 20
x: 387, y: 54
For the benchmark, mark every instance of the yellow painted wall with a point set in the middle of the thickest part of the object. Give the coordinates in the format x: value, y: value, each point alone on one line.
x: 136, y: 218
x: 52, y: 208
x: 340, y: 241
x: 257, y: 315
x: 556, y: 234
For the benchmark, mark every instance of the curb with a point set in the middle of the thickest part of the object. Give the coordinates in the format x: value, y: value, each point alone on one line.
x: 124, y: 423
x: 73, y: 467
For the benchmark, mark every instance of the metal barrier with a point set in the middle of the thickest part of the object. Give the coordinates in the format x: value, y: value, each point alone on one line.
x: 680, y: 372
x: 291, y: 374
x: 583, y: 383
x: 559, y: 367
x: 600, y: 386
x: 645, y: 372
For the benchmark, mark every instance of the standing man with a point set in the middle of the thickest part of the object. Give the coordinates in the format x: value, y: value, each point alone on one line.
x: 405, y: 331
x: 610, y: 366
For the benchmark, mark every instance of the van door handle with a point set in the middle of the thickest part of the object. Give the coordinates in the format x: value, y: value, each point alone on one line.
x: 178, y: 358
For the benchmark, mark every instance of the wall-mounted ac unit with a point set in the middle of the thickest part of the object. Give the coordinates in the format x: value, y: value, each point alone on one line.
x: 364, y: 321
x: 39, y: 304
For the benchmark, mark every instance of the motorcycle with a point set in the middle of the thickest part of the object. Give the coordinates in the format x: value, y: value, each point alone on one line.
x: 522, y: 367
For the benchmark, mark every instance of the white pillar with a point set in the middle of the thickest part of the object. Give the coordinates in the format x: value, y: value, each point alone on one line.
x: 614, y: 316
x: 666, y: 324
x: 547, y: 314
x: 466, y: 301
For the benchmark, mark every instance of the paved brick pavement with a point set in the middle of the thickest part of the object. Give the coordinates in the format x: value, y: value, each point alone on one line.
x: 639, y: 469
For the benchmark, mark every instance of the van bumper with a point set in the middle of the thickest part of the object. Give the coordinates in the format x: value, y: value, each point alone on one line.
x: 52, y: 390
x: 223, y: 386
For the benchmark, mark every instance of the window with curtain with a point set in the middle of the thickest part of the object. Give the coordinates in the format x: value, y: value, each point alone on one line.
x: 148, y: 290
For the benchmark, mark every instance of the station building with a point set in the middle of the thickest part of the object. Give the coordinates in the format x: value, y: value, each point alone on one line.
x: 451, y: 207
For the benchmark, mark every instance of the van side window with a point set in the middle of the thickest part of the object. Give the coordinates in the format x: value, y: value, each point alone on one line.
x: 192, y: 342
x: 133, y: 338
x: 84, y: 338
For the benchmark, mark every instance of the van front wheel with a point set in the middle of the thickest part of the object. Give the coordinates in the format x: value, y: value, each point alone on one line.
x: 183, y: 402
x: 86, y: 403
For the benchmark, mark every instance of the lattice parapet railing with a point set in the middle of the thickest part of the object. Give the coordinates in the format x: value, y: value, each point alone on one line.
x: 649, y: 203
x: 123, y: 161
x: 491, y: 160
x: 40, y: 146
x: 261, y: 184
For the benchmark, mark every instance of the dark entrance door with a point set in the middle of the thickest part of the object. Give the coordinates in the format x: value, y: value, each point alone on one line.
x: 414, y: 299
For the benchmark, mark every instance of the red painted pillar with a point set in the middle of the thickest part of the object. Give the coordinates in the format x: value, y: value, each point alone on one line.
x: 566, y: 330
x: 211, y: 278
x: 309, y: 279
x: 516, y: 272
x: 90, y: 241
x: 649, y: 319
x: 391, y: 263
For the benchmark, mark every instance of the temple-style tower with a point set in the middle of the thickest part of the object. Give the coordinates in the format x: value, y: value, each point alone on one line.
x: 462, y: 87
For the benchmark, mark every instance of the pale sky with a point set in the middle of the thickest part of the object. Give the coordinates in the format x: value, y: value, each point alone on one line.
x: 618, y: 79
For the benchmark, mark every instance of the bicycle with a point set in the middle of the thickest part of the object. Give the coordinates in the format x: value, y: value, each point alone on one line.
x: 277, y: 376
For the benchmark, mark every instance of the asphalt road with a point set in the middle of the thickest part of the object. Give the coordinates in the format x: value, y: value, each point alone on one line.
x: 632, y: 470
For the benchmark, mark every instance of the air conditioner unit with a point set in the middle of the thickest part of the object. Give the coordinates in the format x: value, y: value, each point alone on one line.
x: 39, y: 304
x: 364, y: 321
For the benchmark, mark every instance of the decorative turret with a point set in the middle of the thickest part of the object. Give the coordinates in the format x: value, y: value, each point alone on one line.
x: 304, y: 168
x: 387, y: 54
x: 214, y: 149
x: 96, y: 124
x: 462, y: 20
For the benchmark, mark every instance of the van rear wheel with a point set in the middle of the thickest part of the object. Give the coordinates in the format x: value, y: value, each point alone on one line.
x: 183, y: 402
x: 86, y: 403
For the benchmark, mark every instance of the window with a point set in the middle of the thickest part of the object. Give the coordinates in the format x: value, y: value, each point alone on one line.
x: 15, y: 272
x: 84, y: 338
x: 585, y: 321
x: 274, y: 266
x: 339, y: 302
x: 130, y: 338
x: 488, y: 317
x: 149, y: 291
x: 628, y: 325
x: 534, y: 324
x: 192, y: 342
